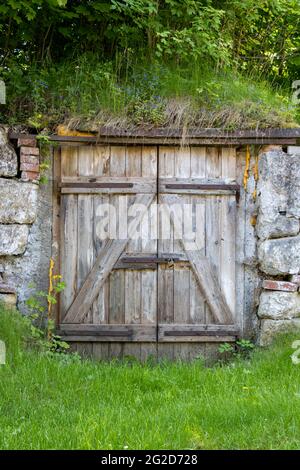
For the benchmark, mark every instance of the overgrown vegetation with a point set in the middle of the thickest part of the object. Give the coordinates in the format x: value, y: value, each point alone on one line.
x: 47, y: 403
x: 87, y: 95
x: 161, y: 63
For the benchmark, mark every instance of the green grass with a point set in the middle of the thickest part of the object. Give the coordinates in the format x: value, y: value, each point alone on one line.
x: 46, y: 403
x: 87, y: 93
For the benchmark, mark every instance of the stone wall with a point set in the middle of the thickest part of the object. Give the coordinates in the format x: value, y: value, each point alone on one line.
x: 25, y: 221
x: 278, y: 233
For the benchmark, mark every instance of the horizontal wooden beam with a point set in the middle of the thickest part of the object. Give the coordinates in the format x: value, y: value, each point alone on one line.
x: 178, y: 133
x: 126, y: 185
x: 97, y: 185
x: 225, y: 187
x: 105, y: 332
x: 147, y: 333
x: 197, y: 333
x: 148, y: 260
x: 167, y: 136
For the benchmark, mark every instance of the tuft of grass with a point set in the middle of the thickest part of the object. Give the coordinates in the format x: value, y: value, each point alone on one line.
x: 51, y: 404
x: 87, y: 93
x: 15, y: 331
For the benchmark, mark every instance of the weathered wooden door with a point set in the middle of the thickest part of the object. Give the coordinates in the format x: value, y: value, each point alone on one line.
x: 197, y: 295
x: 147, y: 281
x: 107, y: 296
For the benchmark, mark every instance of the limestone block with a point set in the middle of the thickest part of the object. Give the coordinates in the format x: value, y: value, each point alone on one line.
x: 13, y: 239
x: 278, y: 305
x: 280, y: 226
x: 18, y: 202
x: 293, y: 205
x: 280, y: 256
x: 8, y: 156
x: 270, y: 328
x: 279, y: 195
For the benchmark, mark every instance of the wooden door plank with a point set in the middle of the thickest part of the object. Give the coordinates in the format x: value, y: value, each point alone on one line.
x: 149, y: 244
x: 101, y: 156
x: 101, y: 351
x: 228, y: 227
x: 198, y: 170
x: 69, y: 162
x: 101, y: 160
x: 182, y: 271
x: 68, y: 251
x: 134, y: 161
x: 69, y: 233
x: 165, y: 273
x: 133, y: 277
x: 198, y: 162
x: 117, y: 279
x: 56, y: 221
x: 240, y: 244
x: 85, y: 250
x: 149, y: 162
x: 102, y: 268
x: 100, y: 304
x: 212, y: 222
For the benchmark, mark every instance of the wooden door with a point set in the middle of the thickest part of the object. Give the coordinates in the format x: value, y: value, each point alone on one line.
x: 108, y: 297
x: 169, y: 287
x: 196, y: 295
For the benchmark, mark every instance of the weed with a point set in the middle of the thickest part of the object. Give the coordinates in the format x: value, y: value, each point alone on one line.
x: 241, y: 349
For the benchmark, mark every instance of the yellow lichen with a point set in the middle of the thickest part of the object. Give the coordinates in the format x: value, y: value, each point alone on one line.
x: 63, y: 130
x: 246, y: 172
x: 50, y: 291
x: 255, y: 174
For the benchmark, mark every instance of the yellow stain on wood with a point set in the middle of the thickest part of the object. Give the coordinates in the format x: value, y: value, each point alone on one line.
x: 255, y: 168
x: 256, y: 175
x: 246, y: 172
x: 50, y: 291
x: 253, y: 220
x: 64, y: 131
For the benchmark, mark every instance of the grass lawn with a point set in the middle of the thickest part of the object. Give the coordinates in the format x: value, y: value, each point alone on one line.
x: 47, y: 403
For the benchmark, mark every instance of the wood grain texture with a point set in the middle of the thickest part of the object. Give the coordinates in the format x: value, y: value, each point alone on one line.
x: 69, y: 233
x: 207, y: 278
x: 196, y: 291
x: 133, y: 277
x: 56, y: 245
x: 85, y: 250
x: 101, y: 162
x: 198, y: 171
x: 116, y: 280
x: 228, y: 235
